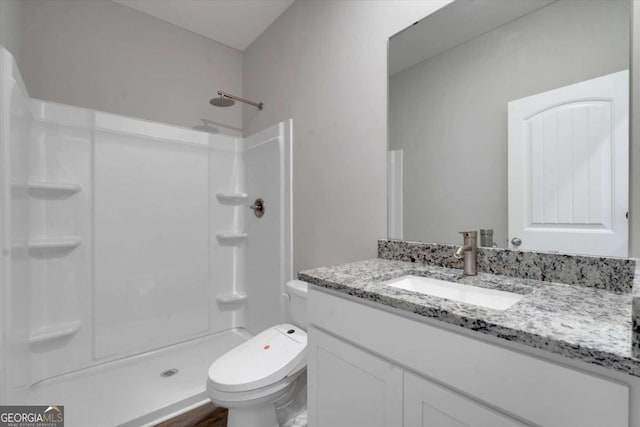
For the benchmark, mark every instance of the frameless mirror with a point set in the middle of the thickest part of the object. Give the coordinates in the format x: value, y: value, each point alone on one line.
x: 512, y: 117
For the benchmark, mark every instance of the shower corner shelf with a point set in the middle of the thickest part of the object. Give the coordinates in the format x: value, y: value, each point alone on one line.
x: 231, y: 238
x: 232, y: 198
x: 55, y: 243
x: 232, y: 298
x: 54, y: 332
x: 48, y: 188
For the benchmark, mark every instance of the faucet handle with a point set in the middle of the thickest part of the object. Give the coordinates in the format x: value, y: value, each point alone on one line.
x: 469, y: 233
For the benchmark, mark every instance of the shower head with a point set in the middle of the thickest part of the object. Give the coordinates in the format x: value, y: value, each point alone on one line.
x: 222, y: 101
x: 227, y: 100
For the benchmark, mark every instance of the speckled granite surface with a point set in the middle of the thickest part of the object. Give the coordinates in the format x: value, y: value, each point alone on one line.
x: 635, y: 315
x: 614, y: 274
x: 579, y: 322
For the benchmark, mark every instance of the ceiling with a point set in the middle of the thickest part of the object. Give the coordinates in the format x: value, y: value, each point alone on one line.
x: 236, y: 23
x: 452, y: 25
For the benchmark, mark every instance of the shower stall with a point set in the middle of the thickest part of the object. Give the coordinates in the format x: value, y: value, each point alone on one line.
x: 131, y: 259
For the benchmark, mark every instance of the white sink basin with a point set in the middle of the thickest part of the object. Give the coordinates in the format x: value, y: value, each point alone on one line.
x: 489, y: 298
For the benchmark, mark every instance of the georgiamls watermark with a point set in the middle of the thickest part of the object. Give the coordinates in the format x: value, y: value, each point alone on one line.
x: 32, y: 416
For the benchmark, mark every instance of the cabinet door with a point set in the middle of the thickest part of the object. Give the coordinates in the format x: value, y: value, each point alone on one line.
x: 427, y: 404
x: 351, y: 387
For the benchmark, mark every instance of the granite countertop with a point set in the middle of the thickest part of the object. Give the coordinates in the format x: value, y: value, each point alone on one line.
x: 579, y: 322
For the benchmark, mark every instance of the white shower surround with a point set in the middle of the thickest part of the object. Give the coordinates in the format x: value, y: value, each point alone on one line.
x: 131, y: 243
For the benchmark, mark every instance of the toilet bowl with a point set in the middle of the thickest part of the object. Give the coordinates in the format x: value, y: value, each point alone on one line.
x: 252, y: 379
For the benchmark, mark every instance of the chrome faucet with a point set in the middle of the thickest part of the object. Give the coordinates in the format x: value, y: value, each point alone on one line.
x: 469, y: 250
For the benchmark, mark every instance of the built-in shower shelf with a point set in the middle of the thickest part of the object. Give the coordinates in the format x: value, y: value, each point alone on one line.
x: 232, y: 198
x: 55, y: 243
x: 231, y: 238
x: 232, y: 298
x: 52, y: 189
x: 54, y: 332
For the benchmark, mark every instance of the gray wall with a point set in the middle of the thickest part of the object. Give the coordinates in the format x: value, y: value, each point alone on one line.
x: 102, y: 55
x: 449, y: 113
x: 323, y: 63
x: 10, y: 18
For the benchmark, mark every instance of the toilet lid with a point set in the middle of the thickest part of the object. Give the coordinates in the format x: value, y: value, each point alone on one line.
x: 262, y: 360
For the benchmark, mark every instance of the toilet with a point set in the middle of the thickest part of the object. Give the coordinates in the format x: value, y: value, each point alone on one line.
x: 255, y: 378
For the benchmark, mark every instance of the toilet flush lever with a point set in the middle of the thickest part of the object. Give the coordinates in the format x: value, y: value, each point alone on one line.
x: 258, y: 207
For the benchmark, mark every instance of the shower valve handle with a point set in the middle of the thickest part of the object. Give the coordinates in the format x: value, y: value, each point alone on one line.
x: 258, y: 207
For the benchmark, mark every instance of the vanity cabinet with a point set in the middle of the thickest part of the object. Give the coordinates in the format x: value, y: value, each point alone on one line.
x: 369, y: 366
x: 352, y: 387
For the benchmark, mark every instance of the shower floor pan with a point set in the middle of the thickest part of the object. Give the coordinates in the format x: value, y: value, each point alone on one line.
x: 133, y: 392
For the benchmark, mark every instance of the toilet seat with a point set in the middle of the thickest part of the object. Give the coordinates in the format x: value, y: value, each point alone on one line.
x: 261, y: 361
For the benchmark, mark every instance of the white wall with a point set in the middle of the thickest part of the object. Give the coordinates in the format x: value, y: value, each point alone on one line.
x: 449, y: 113
x: 324, y: 64
x: 105, y: 56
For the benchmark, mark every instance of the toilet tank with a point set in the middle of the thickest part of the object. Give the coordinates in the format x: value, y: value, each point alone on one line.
x: 297, y: 302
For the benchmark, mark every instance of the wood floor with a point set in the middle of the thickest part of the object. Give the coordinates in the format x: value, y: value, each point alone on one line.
x: 207, y: 415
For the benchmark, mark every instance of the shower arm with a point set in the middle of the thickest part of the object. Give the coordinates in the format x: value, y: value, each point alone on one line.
x: 258, y: 105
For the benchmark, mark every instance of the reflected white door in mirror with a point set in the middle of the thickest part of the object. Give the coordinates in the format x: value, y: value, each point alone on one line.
x: 568, y: 168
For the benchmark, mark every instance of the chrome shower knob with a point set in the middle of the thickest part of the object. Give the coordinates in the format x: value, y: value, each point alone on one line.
x: 258, y: 207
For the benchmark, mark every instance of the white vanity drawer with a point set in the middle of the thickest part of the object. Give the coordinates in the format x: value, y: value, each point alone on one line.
x: 533, y: 390
x: 428, y: 404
